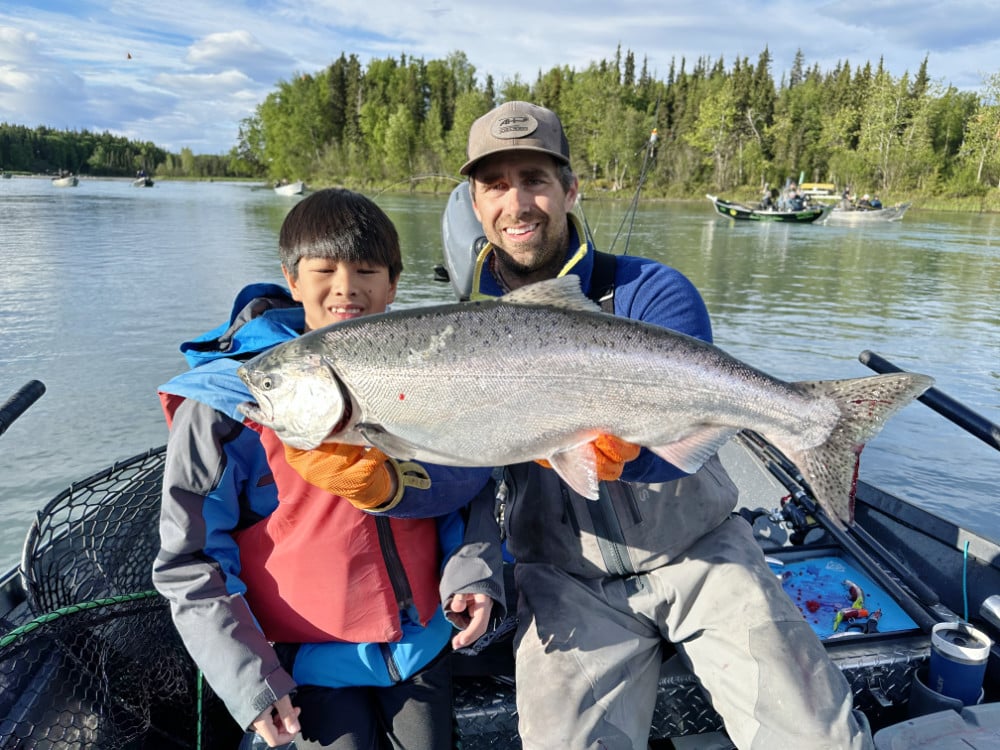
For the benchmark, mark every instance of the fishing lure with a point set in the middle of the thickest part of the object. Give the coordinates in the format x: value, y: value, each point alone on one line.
x: 848, y: 614
x: 856, y: 594
x: 857, y: 609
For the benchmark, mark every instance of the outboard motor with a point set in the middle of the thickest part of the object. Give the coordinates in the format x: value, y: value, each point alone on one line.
x: 463, y: 240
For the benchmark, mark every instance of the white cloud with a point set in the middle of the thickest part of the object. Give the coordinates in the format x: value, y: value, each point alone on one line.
x: 242, y: 51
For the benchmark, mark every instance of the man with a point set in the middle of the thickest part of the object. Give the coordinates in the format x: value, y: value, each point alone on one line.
x: 659, y: 557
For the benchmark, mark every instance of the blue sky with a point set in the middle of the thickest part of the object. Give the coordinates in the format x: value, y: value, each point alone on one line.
x: 198, y: 67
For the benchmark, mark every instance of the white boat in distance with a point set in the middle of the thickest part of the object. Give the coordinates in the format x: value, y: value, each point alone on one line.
x: 69, y: 180
x: 841, y: 215
x: 289, y: 188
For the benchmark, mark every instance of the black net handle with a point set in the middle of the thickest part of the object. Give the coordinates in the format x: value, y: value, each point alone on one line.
x: 17, y: 404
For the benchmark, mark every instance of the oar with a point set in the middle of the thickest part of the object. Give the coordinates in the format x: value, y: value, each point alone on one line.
x: 970, y: 421
x: 17, y: 404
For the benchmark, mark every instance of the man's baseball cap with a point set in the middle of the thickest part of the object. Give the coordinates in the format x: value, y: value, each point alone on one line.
x: 516, y: 126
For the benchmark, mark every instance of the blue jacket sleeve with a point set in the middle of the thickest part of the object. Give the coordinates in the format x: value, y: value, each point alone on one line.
x: 450, y: 490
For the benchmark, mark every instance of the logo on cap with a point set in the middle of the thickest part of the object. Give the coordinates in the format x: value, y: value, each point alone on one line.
x: 515, y: 126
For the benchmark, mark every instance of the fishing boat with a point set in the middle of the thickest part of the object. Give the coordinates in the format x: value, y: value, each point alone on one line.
x: 69, y: 180
x: 740, y: 212
x: 88, y: 650
x: 841, y: 214
x: 142, y: 181
x: 823, y: 192
x: 289, y: 188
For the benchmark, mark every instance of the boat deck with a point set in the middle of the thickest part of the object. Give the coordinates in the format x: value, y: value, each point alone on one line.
x: 97, y: 620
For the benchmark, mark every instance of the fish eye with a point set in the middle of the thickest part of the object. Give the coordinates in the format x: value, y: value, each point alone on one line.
x: 266, y: 383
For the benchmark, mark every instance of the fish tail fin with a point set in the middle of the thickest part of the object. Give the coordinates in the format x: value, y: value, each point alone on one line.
x: 865, y: 405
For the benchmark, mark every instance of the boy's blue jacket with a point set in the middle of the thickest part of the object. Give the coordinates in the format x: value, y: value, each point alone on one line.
x: 217, y: 481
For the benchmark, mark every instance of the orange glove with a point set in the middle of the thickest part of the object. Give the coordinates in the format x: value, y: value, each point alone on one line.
x: 611, y: 455
x: 359, y: 475
x: 365, y: 477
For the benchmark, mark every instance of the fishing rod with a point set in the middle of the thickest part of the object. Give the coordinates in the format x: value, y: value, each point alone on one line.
x: 649, y: 155
x: 955, y: 411
x: 418, y: 178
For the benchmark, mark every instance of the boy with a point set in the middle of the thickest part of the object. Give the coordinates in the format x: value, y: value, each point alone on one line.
x: 304, y: 611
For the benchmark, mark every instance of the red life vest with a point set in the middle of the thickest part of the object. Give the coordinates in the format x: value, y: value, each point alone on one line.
x: 315, y: 569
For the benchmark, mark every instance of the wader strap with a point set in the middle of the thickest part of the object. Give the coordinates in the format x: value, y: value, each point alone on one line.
x: 602, y: 281
x: 608, y: 529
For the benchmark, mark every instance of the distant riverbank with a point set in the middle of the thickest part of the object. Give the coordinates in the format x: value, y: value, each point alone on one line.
x: 439, y: 184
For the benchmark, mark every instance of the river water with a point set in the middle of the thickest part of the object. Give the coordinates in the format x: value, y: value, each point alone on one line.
x: 100, y: 283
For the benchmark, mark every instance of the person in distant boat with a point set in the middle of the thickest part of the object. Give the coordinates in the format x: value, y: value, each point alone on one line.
x: 865, y: 203
x: 310, y: 611
x: 767, y: 201
x: 797, y: 202
x: 876, y: 203
x: 604, y: 587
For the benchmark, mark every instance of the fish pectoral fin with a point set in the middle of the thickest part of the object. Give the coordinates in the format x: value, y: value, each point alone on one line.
x: 402, y: 449
x: 692, y: 451
x: 578, y: 468
x: 389, y: 444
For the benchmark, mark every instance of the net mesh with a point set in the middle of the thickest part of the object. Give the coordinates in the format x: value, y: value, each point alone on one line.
x: 90, y: 658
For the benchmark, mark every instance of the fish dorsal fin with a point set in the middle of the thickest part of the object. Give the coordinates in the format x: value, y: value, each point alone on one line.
x: 562, y: 291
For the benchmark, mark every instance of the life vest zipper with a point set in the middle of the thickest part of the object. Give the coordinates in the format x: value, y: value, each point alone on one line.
x: 394, y: 566
x: 390, y: 662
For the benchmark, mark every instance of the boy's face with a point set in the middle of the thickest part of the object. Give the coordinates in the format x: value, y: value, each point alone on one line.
x: 336, y: 290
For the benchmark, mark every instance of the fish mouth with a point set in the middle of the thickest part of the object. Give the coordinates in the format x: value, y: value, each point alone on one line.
x: 256, y: 413
x: 265, y: 416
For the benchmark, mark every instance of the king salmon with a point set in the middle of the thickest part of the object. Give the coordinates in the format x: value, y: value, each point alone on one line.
x: 539, y: 373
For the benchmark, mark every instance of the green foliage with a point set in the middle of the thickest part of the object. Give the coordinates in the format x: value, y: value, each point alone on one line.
x: 729, y: 128
x: 44, y: 150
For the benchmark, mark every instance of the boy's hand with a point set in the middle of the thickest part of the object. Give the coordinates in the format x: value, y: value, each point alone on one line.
x: 470, y: 613
x: 610, y: 454
x: 362, y: 476
x: 279, y: 723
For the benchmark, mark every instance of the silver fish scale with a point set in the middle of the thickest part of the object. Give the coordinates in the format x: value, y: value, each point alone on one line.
x: 460, y: 380
x: 541, y: 371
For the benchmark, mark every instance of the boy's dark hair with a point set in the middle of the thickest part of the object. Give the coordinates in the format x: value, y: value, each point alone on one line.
x: 340, y: 225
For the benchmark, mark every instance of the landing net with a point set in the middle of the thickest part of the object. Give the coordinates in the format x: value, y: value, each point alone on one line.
x: 91, y: 658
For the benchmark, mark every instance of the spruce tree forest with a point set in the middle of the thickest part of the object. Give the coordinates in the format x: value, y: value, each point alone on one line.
x: 402, y: 123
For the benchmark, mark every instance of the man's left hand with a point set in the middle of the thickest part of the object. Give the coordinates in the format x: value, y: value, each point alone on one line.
x: 612, y: 455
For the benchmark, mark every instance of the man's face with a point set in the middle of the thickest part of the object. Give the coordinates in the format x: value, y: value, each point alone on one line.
x: 522, y: 206
x: 336, y: 290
